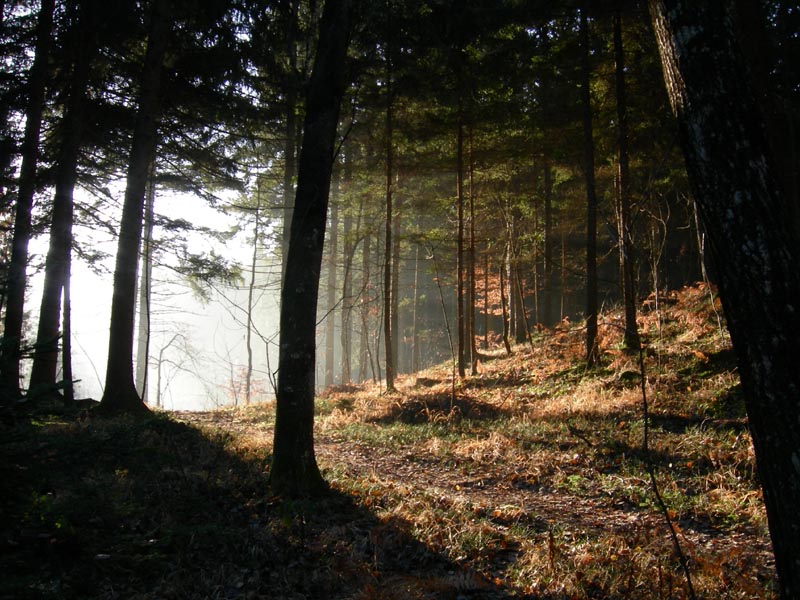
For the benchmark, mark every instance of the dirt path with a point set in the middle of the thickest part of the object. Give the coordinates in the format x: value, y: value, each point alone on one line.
x: 511, y: 499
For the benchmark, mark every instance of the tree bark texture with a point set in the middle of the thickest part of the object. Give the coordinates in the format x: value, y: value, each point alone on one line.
x: 739, y: 203
x: 120, y: 390
x: 294, y: 466
x: 18, y: 264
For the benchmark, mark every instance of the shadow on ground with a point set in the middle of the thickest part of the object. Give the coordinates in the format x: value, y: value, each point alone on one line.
x: 431, y: 407
x: 154, y: 508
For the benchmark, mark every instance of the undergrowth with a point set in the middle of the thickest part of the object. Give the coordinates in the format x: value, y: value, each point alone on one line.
x: 526, y: 481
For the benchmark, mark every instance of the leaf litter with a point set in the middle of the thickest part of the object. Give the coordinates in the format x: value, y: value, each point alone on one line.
x: 525, y: 481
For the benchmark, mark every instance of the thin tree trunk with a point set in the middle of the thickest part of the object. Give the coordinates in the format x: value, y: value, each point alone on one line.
x: 750, y: 242
x: 145, y: 290
x: 395, y: 327
x: 347, y: 289
x: 330, y: 319
x: 289, y: 148
x: 518, y: 301
x: 363, y: 345
x: 631, y: 338
x: 486, y: 296
x: 504, y: 299
x: 548, y: 282
x: 66, y: 347
x: 120, y: 390
x: 415, y: 358
x: 471, y: 288
x: 523, y: 313
x: 591, y: 199
x: 387, y: 264
x: 460, y: 308
x: 17, y: 270
x: 537, y: 315
x: 294, y: 467
x: 248, y: 381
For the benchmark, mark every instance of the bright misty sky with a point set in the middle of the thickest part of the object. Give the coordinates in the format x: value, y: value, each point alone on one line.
x: 203, y: 344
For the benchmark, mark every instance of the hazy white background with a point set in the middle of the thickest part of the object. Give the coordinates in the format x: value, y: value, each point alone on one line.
x: 201, y: 345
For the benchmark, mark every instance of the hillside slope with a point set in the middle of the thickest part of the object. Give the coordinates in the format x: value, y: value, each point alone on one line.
x: 529, y: 480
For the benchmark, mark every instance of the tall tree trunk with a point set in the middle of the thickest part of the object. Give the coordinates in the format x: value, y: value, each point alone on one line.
x: 289, y: 147
x: 145, y: 291
x: 471, y: 285
x: 415, y: 358
x: 460, y: 308
x: 740, y: 205
x: 387, y: 263
x: 518, y: 301
x: 294, y: 466
x: 395, y: 327
x: 591, y: 198
x: 120, y: 390
x: 486, y: 296
x: 504, y: 297
x: 45, y: 359
x: 66, y: 347
x: 330, y: 319
x: 631, y: 337
x: 17, y: 270
x: 251, y: 286
x: 347, y: 289
x: 363, y: 343
x: 548, y: 283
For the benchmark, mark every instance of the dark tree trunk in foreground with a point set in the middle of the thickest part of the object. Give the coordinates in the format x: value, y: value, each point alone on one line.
x: 120, y: 390
x: 17, y: 277
x: 294, y: 466
x: 740, y: 206
x: 631, y: 337
x: 45, y: 359
x: 591, y: 199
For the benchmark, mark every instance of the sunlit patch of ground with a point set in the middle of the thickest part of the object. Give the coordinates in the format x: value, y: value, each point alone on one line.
x: 528, y: 480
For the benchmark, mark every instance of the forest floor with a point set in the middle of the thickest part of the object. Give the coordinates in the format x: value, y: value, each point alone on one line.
x: 527, y: 480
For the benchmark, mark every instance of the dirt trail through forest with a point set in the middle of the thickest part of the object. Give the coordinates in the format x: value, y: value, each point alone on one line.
x: 509, y: 498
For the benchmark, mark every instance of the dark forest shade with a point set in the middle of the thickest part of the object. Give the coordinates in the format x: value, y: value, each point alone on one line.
x: 727, y: 159
x: 17, y: 275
